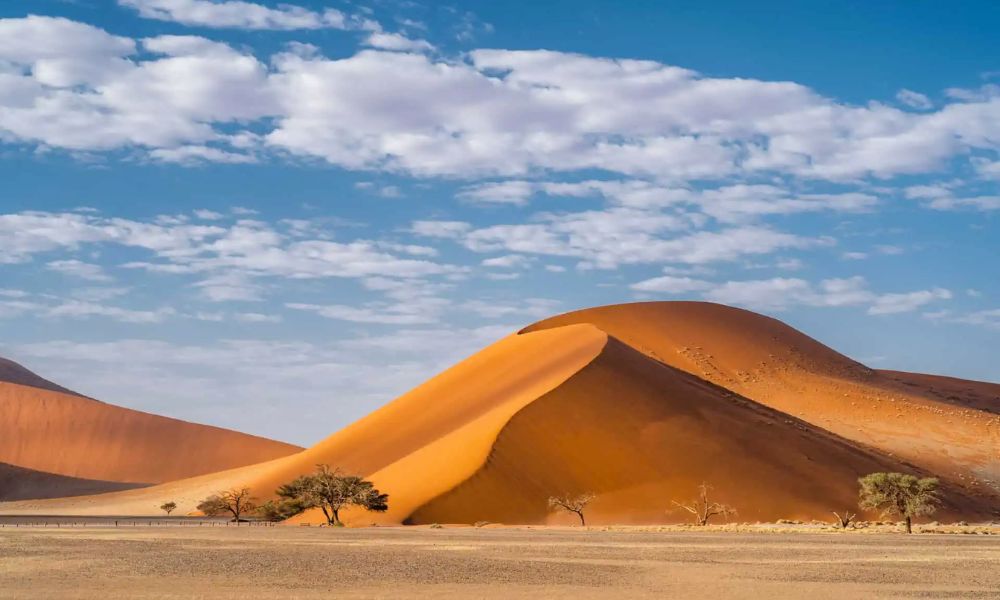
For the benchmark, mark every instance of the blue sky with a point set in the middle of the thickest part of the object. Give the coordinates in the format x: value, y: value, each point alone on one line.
x: 278, y: 217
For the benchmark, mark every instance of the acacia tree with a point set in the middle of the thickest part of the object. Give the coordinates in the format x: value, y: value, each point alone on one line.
x: 899, y: 494
x: 573, y: 504
x: 236, y: 501
x: 331, y: 492
x: 168, y: 507
x: 703, y: 508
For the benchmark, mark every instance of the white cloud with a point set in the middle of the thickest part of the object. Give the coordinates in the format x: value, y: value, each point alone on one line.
x: 497, y: 112
x: 237, y: 14
x: 781, y: 293
x: 230, y: 260
x: 989, y: 319
x: 507, y: 261
x: 51, y: 307
x: 987, y: 169
x: 914, y: 99
x: 396, y: 41
x: 76, y: 268
x: 608, y: 238
x: 897, y: 303
x: 207, y: 215
x: 186, y: 155
x: 535, y: 308
x: 252, y: 317
x: 440, y: 229
x: 385, y: 314
x: 669, y: 284
x: 81, y: 309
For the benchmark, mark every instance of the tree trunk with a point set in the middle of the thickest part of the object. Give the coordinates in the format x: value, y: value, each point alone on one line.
x: 336, y: 518
x: 582, y: 522
x: 909, y: 526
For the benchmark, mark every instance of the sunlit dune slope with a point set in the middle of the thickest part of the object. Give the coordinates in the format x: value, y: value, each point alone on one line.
x: 17, y: 483
x: 947, y: 426
x: 573, y: 409
x: 70, y: 435
x: 444, y: 427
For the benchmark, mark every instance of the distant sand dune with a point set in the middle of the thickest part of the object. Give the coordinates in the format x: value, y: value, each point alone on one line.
x: 74, y: 436
x: 638, y: 403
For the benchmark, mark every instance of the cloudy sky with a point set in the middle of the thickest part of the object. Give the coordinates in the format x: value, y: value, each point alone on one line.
x: 276, y: 217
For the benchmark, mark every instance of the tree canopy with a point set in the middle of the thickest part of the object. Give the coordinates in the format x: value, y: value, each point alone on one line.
x: 906, y: 496
x: 330, y: 491
x: 235, y: 501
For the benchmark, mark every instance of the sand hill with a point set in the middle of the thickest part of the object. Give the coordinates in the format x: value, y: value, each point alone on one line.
x: 639, y: 403
x: 48, y: 429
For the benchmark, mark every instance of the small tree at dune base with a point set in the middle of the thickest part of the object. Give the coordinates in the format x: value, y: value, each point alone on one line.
x: 235, y: 501
x: 168, y: 507
x: 331, y: 492
x: 898, y: 494
x: 573, y: 504
x: 703, y: 508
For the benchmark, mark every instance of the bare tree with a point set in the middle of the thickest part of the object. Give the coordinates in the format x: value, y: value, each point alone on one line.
x: 573, y: 504
x: 168, y: 507
x: 236, y: 501
x: 899, y: 494
x: 704, y: 508
x: 845, y: 519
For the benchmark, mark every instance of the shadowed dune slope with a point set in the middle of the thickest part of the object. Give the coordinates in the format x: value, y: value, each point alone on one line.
x: 12, y: 372
x: 641, y: 434
x: 18, y: 483
x: 74, y: 436
x: 567, y: 409
x: 947, y: 426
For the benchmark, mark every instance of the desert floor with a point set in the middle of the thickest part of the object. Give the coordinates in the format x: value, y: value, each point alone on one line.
x: 420, y: 562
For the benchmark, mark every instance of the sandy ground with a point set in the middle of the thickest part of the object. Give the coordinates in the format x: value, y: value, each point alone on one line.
x: 420, y: 562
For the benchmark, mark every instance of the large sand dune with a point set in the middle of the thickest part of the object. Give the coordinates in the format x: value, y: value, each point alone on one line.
x: 638, y: 403
x: 948, y: 426
x: 47, y: 430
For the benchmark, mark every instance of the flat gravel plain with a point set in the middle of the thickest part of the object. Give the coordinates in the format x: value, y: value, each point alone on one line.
x: 421, y: 562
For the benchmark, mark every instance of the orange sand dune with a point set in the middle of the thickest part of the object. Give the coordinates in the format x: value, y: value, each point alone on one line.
x: 944, y: 425
x: 566, y: 407
x: 18, y: 483
x: 74, y: 436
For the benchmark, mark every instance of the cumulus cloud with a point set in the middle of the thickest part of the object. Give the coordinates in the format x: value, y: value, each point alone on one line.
x: 50, y: 307
x: 781, y: 293
x: 230, y: 261
x: 236, y: 14
x: 989, y: 318
x: 496, y: 112
x: 76, y: 268
x: 616, y: 236
x: 944, y: 197
x: 395, y: 41
x: 914, y: 99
